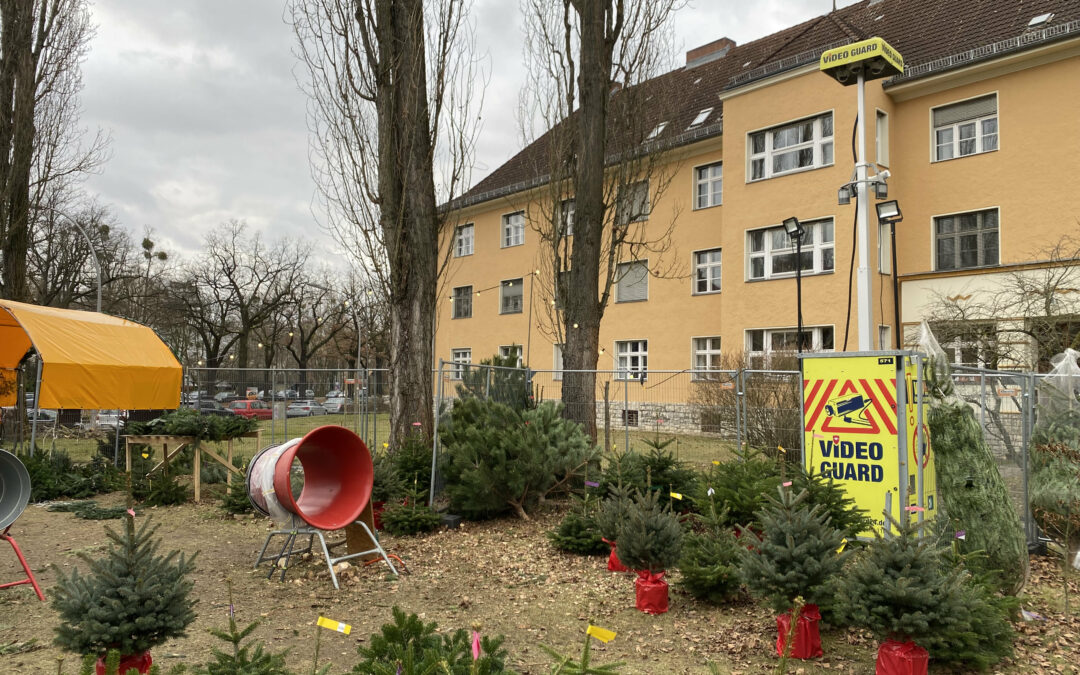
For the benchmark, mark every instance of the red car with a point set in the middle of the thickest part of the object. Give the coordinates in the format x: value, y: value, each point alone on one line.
x: 256, y: 409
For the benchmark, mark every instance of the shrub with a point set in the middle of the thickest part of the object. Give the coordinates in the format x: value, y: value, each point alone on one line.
x: 498, y: 459
x: 796, y: 556
x: 408, y: 646
x: 710, y: 560
x: 651, y: 537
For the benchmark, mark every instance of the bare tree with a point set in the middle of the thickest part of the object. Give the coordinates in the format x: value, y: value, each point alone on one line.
x: 42, y: 154
x: 390, y: 84
x: 593, y: 85
x: 317, y: 316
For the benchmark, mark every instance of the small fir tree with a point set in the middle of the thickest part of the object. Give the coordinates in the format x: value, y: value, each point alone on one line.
x: 613, y: 512
x: 579, y: 532
x: 408, y: 646
x: 796, y: 556
x: 741, y: 485
x: 415, y: 517
x: 710, y: 560
x: 841, y: 508
x: 235, y: 500
x: 908, y: 587
x: 132, y: 599
x: 566, y: 665
x: 650, y: 539
x: 243, y: 659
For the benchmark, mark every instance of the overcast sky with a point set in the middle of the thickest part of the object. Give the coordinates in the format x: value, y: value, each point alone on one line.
x: 208, y: 124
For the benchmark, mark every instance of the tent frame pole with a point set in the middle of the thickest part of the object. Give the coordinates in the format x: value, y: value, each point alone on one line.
x: 37, y: 407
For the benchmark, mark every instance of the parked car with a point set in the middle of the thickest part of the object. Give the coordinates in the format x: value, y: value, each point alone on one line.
x: 109, y: 419
x: 309, y: 393
x: 252, y: 409
x: 212, y: 407
x: 223, y: 396
x: 44, y: 415
x: 304, y: 408
x: 334, y: 393
x: 337, y: 405
x: 287, y: 394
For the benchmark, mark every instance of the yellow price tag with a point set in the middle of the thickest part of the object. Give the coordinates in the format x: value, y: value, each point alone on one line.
x: 843, y: 543
x: 601, y: 634
x: 676, y: 495
x: 338, y: 626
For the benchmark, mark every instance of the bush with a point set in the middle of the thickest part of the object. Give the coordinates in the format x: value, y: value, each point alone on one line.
x: 710, y: 560
x: 578, y: 533
x: 408, y: 646
x: 398, y: 519
x: 498, y: 459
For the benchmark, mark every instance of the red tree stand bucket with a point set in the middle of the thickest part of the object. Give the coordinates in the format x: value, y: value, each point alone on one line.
x: 652, y: 592
x: 613, y: 562
x: 901, y: 658
x: 140, y: 662
x: 807, y: 638
x: 337, y: 477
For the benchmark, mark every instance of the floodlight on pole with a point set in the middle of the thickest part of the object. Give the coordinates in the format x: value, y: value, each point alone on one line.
x: 794, y: 231
x: 889, y: 212
x: 854, y: 64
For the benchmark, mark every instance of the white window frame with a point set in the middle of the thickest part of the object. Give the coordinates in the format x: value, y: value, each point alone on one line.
x: 464, y: 240
x: 519, y: 292
x: 657, y: 130
x: 567, y: 211
x: 513, y: 229
x: 983, y: 347
x: 504, y: 352
x: 881, y: 137
x: 459, y: 357
x: 632, y: 204
x: 700, y: 118
x: 624, y: 269
x: 557, y: 361
x: 705, y: 177
x: 708, y: 348
x: 979, y: 232
x: 814, y: 234
x: 632, y: 360
x: 820, y: 144
x: 759, y: 359
x: 707, y: 267
x: 981, y: 138
x: 458, y: 299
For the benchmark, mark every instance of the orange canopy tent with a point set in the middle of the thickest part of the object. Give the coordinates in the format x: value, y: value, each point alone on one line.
x: 89, y: 360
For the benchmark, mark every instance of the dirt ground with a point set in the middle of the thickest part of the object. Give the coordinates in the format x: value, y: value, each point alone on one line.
x: 503, y: 574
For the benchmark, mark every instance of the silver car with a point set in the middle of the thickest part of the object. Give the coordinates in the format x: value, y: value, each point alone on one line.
x: 304, y: 408
x: 337, y: 405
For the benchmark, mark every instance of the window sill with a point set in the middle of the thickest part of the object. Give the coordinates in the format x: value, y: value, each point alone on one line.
x: 512, y: 245
x: 710, y: 206
x: 462, y: 255
x: 790, y: 173
x: 455, y: 318
x: 954, y: 270
x: 697, y: 293
x: 974, y: 154
x: 790, y: 276
x: 507, y: 313
x: 630, y: 302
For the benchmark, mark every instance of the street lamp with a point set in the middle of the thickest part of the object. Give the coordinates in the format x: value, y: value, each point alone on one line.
x: 889, y: 212
x: 794, y: 231
x: 89, y: 242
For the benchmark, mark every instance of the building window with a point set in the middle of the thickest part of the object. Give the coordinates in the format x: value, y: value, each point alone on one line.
x: 632, y: 359
x: 966, y: 240
x: 806, y: 144
x: 965, y: 128
x: 463, y: 240
x: 462, y: 301
x: 461, y: 359
x: 882, y: 137
x: 968, y: 343
x: 513, y: 229
x: 657, y: 130
x: 700, y: 118
x: 511, y: 352
x: 707, y: 356
x: 708, y: 185
x: 632, y: 281
x: 630, y: 418
x: 632, y: 204
x: 763, y: 344
x: 707, y: 271
x: 772, y: 253
x: 884, y: 242
x: 567, y: 209
x: 510, y: 296
x: 557, y: 362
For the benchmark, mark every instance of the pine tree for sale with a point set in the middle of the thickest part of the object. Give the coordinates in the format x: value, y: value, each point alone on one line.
x: 131, y: 600
x: 798, y: 556
x: 650, y: 541
x: 710, y: 560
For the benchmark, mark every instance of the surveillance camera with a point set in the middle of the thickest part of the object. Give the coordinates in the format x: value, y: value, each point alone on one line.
x: 884, y: 175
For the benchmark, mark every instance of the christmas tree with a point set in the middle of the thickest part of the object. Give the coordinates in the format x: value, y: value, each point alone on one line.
x: 907, y: 587
x: 710, y: 561
x: 796, y: 556
x: 243, y: 659
x: 132, y: 599
x: 578, y: 532
x: 650, y: 539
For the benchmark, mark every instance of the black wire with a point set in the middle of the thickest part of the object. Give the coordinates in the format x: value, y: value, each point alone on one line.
x: 854, y: 234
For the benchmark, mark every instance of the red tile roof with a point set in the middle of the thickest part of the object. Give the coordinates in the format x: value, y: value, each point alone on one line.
x: 932, y: 36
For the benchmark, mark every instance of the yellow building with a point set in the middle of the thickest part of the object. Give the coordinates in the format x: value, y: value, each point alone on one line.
x: 979, y: 135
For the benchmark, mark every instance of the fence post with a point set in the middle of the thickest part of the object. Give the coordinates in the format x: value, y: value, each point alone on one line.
x: 1026, y: 429
x: 982, y: 402
x: 740, y: 398
x: 626, y: 410
x: 435, y: 435
x: 607, y: 415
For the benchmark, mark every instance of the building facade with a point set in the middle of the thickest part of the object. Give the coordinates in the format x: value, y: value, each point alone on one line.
x: 980, y: 139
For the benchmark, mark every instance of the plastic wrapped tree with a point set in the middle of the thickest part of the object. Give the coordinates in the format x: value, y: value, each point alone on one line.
x: 973, y: 496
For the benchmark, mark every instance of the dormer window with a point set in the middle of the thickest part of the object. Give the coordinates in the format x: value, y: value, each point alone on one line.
x: 701, y: 117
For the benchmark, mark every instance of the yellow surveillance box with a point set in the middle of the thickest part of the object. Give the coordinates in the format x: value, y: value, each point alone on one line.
x: 874, y: 58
